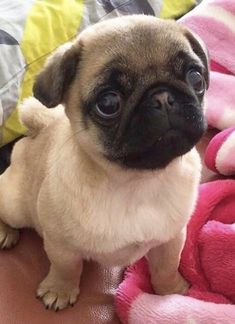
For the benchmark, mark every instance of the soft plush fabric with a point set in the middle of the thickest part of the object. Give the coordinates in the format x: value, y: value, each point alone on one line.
x: 30, y: 30
x: 220, y: 153
x: 208, y: 264
x: 214, y: 22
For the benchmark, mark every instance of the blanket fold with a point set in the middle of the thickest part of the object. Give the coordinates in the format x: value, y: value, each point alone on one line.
x: 214, y: 22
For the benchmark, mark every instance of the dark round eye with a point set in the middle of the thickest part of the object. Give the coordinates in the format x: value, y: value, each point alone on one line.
x: 196, y: 80
x: 108, y: 105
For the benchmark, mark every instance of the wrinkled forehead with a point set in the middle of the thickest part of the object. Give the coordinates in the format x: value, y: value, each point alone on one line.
x: 139, y: 43
x: 137, y: 51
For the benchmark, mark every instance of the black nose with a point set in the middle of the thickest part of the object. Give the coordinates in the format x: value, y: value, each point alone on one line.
x: 162, y: 99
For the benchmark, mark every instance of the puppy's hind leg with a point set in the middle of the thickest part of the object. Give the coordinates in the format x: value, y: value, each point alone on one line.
x: 9, y: 209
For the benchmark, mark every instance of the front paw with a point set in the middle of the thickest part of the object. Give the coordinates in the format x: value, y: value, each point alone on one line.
x: 58, y: 295
x: 175, y: 284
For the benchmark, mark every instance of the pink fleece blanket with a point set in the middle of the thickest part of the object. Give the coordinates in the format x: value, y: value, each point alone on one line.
x: 214, y: 22
x: 208, y: 259
x: 208, y: 264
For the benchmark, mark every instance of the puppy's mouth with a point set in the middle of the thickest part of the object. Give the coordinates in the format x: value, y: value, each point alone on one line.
x: 166, y: 148
x: 155, y: 136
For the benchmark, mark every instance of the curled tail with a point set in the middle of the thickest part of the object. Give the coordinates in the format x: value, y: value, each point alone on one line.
x: 35, y: 116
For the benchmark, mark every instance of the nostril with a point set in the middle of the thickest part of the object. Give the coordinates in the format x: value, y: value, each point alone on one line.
x: 170, y: 99
x: 162, y: 99
x: 157, y: 104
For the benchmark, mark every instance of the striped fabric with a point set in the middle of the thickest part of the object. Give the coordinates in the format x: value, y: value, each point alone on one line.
x: 173, y: 9
x: 12, y: 61
x: 30, y: 30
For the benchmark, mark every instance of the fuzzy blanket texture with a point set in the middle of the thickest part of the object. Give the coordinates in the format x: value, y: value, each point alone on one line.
x: 208, y: 258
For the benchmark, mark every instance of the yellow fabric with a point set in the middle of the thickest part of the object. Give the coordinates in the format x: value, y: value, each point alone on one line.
x: 39, y: 40
x: 176, y: 8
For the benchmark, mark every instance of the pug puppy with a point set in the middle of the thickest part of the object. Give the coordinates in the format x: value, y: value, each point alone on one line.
x: 111, y: 174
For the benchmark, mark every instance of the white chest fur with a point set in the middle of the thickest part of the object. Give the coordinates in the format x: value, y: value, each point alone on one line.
x: 118, y: 214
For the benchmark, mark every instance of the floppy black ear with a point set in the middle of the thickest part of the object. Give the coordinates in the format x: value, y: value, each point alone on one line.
x: 53, y: 81
x: 201, y: 51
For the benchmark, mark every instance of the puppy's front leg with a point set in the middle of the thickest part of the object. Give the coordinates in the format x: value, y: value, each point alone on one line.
x: 163, y: 264
x: 60, y: 288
